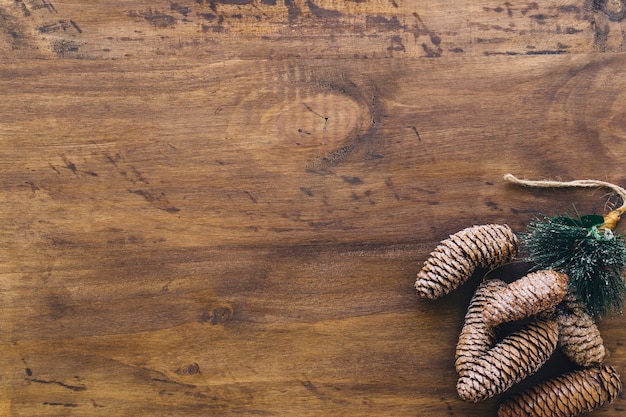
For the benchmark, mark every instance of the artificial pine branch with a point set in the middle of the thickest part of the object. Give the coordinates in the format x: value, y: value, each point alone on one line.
x: 592, y: 255
x: 585, y: 248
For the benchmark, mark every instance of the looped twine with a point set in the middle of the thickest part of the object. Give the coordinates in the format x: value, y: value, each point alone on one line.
x: 610, y: 219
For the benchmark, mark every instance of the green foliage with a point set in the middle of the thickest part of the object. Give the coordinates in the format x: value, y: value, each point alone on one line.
x: 592, y: 256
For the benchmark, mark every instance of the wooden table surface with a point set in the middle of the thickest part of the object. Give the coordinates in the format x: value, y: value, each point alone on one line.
x: 219, y: 207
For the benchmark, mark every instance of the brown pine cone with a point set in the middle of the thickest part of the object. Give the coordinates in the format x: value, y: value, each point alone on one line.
x: 565, y: 396
x: 529, y: 295
x: 509, y: 362
x: 454, y: 260
x: 579, y: 337
x: 476, y: 337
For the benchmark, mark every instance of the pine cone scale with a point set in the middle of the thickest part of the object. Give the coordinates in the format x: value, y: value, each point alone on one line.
x: 495, y: 252
x: 469, y: 249
x: 448, y: 265
x: 504, y: 233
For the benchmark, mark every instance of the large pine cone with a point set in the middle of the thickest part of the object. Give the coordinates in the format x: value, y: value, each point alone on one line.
x: 476, y: 337
x: 565, y: 396
x: 509, y: 362
x: 527, y: 296
x: 579, y: 337
x: 454, y: 260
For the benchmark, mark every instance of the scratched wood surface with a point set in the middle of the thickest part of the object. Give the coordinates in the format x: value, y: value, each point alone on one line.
x: 219, y: 207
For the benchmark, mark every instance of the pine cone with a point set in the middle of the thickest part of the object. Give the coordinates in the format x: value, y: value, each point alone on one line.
x: 454, y: 260
x: 579, y: 337
x: 510, y: 361
x: 476, y: 337
x: 529, y: 295
x: 565, y: 396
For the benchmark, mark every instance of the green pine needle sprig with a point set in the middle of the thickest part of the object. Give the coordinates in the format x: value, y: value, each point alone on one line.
x: 594, y: 258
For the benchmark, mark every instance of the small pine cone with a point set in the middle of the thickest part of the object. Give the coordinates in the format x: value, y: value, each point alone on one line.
x: 565, y: 396
x: 579, y: 337
x: 454, y: 260
x: 509, y: 362
x: 529, y: 295
x: 476, y: 337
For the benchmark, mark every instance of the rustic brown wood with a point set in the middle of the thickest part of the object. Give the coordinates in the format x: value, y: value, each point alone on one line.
x: 219, y: 207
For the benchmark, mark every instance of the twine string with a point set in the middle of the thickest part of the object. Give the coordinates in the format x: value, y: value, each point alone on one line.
x: 610, y: 219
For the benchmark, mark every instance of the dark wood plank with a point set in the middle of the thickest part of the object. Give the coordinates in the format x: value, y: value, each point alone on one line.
x: 303, y: 28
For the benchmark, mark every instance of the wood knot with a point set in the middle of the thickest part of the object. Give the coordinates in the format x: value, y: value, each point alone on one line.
x: 317, y: 122
x: 217, y: 315
x: 191, y: 369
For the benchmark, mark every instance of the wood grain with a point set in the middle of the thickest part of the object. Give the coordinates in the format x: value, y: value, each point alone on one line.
x: 219, y: 207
